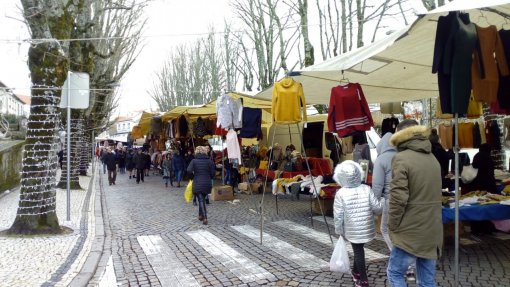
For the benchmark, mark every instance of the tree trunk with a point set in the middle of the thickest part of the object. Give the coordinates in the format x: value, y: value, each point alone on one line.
x: 85, y: 150
x: 344, y: 27
x: 308, y: 48
x: 36, y: 211
x: 75, y: 159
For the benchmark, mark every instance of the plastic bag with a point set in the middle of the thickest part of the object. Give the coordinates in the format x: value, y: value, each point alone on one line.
x: 340, y: 258
x: 468, y: 174
x: 188, y: 193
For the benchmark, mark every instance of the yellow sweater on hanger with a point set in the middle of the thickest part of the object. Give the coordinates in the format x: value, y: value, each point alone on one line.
x: 288, y: 98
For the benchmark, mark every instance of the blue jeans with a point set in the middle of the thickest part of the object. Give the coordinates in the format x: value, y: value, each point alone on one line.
x: 178, y: 175
x: 104, y: 167
x: 400, y: 261
x: 201, y: 205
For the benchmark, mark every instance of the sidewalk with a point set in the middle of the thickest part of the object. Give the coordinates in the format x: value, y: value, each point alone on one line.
x: 50, y: 260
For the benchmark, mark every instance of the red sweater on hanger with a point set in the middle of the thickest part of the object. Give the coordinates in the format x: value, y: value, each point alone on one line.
x: 348, y: 110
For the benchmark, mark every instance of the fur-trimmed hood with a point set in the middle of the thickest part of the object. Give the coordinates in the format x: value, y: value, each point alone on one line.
x: 415, y: 138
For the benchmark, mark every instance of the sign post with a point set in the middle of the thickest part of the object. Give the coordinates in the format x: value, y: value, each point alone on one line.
x: 75, y: 97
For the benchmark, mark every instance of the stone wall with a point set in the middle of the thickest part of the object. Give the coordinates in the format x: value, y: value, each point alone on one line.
x: 11, y: 153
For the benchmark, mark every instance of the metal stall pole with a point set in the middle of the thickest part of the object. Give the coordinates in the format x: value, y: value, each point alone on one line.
x: 457, y: 197
x: 68, y: 193
x: 261, y: 207
x: 313, y: 183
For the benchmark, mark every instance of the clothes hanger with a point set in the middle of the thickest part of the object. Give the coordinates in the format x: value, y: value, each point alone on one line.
x: 344, y: 79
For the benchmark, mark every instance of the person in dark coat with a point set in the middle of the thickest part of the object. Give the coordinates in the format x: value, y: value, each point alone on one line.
x: 442, y: 157
x: 60, y: 157
x: 203, y: 171
x: 139, y: 160
x: 130, y: 162
x: 179, y: 166
x: 111, y: 165
x: 148, y: 163
x: 484, y: 179
x: 121, y: 161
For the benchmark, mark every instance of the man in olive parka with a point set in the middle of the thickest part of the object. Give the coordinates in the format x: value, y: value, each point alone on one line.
x: 414, y: 221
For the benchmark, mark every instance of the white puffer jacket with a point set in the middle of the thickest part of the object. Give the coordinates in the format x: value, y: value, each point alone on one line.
x: 355, y: 204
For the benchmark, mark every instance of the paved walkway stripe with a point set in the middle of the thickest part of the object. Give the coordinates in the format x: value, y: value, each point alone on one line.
x: 108, y: 278
x: 169, y: 270
x: 323, y: 237
x: 296, y: 255
x: 244, y: 268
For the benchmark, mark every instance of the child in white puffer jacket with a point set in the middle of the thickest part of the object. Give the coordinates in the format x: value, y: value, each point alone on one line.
x: 354, y: 209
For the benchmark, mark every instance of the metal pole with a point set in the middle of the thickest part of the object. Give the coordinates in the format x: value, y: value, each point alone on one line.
x: 457, y: 197
x: 261, y: 207
x: 93, y: 147
x: 68, y: 146
x: 313, y: 183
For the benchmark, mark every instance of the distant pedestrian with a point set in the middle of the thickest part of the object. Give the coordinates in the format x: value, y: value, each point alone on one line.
x: 102, y: 156
x: 203, y: 171
x: 111, y: 165
x: 130, y: 163
x: 121, y: 161
x: 147, y: 158
x: 167, y: 169
x: 139, y: 159
x: 353, y: 210
x: 60, y: 157
x: 179, y: 166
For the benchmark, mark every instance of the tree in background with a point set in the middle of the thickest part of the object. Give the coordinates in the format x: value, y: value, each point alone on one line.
x: 52, y: 23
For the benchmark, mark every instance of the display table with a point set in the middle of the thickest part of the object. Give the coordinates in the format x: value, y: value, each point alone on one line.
x: 478, y: 212
x: 318, y: 166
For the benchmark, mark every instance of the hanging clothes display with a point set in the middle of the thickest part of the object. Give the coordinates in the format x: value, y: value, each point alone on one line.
x: 389, y: 125
x: 228, y: 112
x: 477, y: 138
x: 446, y: 135
x: 234, y: 151
x: 504, y: 80
x: 488, y: 64
x: 439, y: 112
x: 455, y: 59
x: 288, y: 102
x: 506, y: 125
x: 466, y: 135
x: 475, y: 108
x: 181, y: 127
x: 252, y: 123
x: 156, y: 125
x: 199, y: 129
x: 136, y: 132
x: 443, y: 31
x: 348, y: 110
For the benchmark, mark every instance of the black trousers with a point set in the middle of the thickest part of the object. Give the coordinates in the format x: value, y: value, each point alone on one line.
x: 359, y: 266
x: 140, y: 173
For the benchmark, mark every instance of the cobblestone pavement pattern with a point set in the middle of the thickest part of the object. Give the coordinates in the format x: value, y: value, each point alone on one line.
x: 155, y: 240
x: 171, y: 235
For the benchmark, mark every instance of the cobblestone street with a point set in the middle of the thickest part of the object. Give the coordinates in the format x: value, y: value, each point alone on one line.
x: 155, y: 239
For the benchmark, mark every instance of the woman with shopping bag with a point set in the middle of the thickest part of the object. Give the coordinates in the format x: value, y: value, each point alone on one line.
x: 353, y: 210
x: 203, y: 171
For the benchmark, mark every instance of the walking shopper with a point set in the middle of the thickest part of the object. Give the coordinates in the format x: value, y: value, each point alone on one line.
x: 353, y: 210
x: 140, y: 166
x: 130, y: 162
x: 179, y: 167
x: 121, y: 161
x: 103, y: 154
x: 111, y: 164
x: 147, y: 160
x: 414, y: 220
x: 167, y: 169
x: 203, y: 171
x: 381, y: 179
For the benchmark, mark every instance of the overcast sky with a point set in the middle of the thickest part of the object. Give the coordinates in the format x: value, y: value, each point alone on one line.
x: 167, y: 19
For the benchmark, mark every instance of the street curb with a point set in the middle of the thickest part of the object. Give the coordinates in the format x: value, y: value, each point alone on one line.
x: 92, y: 262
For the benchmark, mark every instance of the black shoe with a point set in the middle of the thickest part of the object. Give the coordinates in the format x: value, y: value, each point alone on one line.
x: 138, y: 182
x: 206, y: 201
x: 129, y: 177
x: 110, y: 183
x: 166, y: 184
x: 113, y: 183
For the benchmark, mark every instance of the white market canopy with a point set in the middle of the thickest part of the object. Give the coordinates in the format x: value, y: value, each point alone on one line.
x: 399, y: 67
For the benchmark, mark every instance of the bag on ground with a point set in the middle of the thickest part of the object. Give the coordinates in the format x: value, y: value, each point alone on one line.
x: 188, y: 193
x: 340, y: 258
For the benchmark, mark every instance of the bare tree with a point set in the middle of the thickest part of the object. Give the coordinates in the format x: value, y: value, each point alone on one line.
x: 52, y: 23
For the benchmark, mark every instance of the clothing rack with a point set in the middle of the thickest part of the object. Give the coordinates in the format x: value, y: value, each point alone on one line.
x: 261, y: 206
